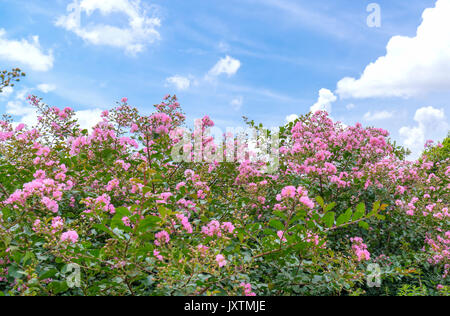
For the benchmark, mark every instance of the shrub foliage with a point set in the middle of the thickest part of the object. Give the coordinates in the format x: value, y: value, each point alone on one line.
x: 109, y: 212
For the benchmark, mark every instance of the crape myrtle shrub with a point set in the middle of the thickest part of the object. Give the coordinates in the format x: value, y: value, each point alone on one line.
x: 109, y: 212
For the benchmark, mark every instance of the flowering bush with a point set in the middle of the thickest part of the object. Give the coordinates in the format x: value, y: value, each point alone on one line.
x: 110, y: 212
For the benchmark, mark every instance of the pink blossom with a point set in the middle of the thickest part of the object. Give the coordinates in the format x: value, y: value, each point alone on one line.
x: 157, y: 254
x: 162, y: 237
x: 71, y: 236
x: 221, y: 261
x: 288, y: 192
x: 280, y: 235
x: 247, y: 289
x: 126, y: 221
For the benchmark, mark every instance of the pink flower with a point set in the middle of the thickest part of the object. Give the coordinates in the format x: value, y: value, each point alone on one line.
x: 134, y: 128
x: 71, y: 236
x: 50, y: 204
x: 280, y: 235
x: 202, y: 249
x: 221, y: 260
x: 164, y: 196
x: 214, y: 228
x: 247, y: 289
x: 200, y: 194
x: 36, y: 225
x: 228, y: 227
x: 185, y: 222
x: 126, y: 221
x: 331, y: 169
x: 307, y: 201
x: 114, y: 183
x: 180, y: 185
x: 288, y: 192
x: 20, y: 127
x: 57, y: 224
x: 124, y: 100
x: 156, y: 253
x: 162, y: 237
x: 360, y: 248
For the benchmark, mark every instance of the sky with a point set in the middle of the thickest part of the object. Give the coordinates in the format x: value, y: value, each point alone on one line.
x: 384, y: 63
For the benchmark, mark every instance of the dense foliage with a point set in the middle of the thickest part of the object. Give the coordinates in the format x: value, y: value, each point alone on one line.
x: 110, y: 212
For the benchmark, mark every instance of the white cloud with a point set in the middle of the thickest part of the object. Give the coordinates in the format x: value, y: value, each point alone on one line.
x: 291, y: 118
x: 350, y: 106
x: 227, y: 65
x: 376, y: 116
x: 26, y: 113
x: 46, y: 87
x: 412, y: 65
x: 223, y: 46
x: 236, y: 103
x: 180, y: 82
x: 88, y: 118
x: 22, y: 94
x: 431, y: 124
x: 6, y: 92
x: 24, y: 52
x: 18, y: 107
x: 140, y: 31
x: 326, y: 97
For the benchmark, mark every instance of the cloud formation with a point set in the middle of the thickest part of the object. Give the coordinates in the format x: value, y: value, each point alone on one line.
x: 291, y: 118
x: 236, y: 103
x: 140, y: 31
x: 25, y: 52
x: 228, y: 66
x: 377, y: 116
x: 179, y: 82
x: 431, y: 123
x: 27, y: 114
x: 88, y: 118
x: 46, y: 87
x: 412, y: 65
x: 326, y: 97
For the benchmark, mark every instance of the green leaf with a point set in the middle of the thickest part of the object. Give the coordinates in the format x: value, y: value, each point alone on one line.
x: 103, y: 228
x: 58, y: 286
x: 320, y: 201
x: 117, y: 222
x: 29, y: 256
x: 328, y: 219
x: 376, y: 206
x: 48, y: 274
x: 122, y: 212
x: 276, y: 224
x: 330, y: 206
x: 269, y: 232
x: 360, y: 211
x: 344, y: 218
x: 364, y: 225
x: 164, y: 212
x: 280, y: 214
x: 148, y: 222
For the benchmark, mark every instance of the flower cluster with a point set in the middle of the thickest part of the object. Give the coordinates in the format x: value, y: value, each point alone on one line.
x: 114, y: 201
x: 360, y: 248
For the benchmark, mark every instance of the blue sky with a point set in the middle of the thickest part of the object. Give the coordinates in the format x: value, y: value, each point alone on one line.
x: 265, y: 59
